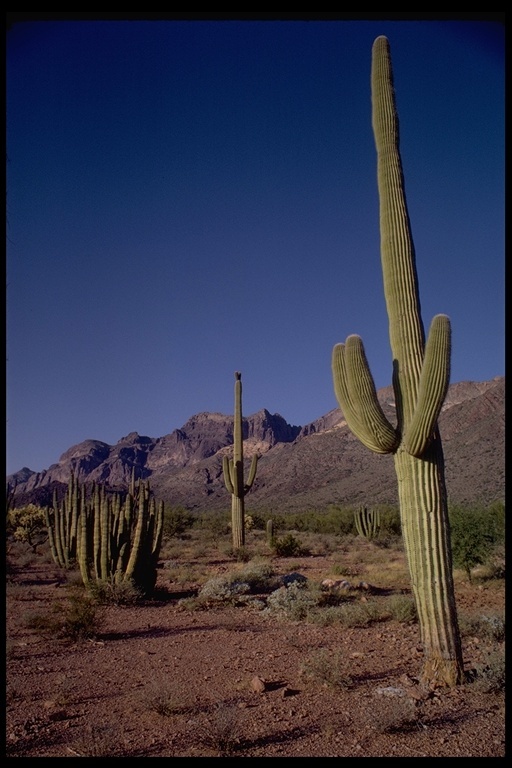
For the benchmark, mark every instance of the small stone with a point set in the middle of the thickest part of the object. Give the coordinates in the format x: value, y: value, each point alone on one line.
x: 258, y: 684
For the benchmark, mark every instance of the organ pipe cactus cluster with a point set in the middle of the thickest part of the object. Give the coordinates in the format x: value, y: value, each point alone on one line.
x: 234, y: 471
x: 367, y: 522
x: 112, y: 540
x: 421, y: 372
x: 62, y: 524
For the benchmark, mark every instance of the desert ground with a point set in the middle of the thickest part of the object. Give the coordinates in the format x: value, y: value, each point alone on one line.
x: 172, y: 676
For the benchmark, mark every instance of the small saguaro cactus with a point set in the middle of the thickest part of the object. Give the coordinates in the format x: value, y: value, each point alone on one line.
x: 270, y: 532
x: 367, y: 522
x: 420, y: 381
x: 234, y: 471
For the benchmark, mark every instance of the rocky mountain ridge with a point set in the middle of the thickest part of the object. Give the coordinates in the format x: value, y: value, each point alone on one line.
x: 300, y: 468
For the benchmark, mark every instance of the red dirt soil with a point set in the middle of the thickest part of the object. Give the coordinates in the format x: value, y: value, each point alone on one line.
x: 96, y: 697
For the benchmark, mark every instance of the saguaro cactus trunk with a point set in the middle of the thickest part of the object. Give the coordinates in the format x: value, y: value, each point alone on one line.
x: 420, y: 381
x: 234, y: 471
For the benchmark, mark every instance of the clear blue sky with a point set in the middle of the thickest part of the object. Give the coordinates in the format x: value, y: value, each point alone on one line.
x: 190, y: 198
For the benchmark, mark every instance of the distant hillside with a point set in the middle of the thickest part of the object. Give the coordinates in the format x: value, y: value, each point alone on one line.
x: 300, y: 468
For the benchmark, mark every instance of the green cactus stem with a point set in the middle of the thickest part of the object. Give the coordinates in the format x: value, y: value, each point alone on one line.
x: 233, y: 470
x: 112, y: 540
x: 421, y: 372
x: 270, y: 532
x: 367, y: 522
x: 62, y: 525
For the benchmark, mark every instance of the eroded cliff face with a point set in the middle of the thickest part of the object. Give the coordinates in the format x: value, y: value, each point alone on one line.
x: 300, y: 467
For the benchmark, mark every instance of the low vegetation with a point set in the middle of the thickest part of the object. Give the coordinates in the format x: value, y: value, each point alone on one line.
x: 363, y: 585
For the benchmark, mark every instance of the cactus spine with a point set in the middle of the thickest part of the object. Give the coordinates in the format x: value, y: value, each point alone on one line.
x: 420, y: 381
x: 367, y: 522
x: 234, y: 471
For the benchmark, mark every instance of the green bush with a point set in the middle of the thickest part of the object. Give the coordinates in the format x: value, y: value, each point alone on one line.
x: 474, y: 532
x: 293, y: 602
x: 177, y: 520
x: 28, y: 525
x: 289, y: 546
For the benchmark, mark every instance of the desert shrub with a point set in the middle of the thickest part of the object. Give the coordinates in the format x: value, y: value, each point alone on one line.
x: 289, y: 546
x: 121, y: 593
x: 102, y: 740
x: 493, y: 628
x: 27, y: 524
x: 474, y: 532
x: 490, y: 674
x: 235, y: 587
x: 494, y: 567
x: 160, y: 697
x: 342, y: 568
x: 327, y: 668
x: 177, y: 521
x: 291, y: 602
x: 240, y: 554
x: 217, y: 525
x: 402, y: 608
x: 259, y: 576
x: 326, y: 615
x: 221, y: 590
x: 390, y: 525
x: 221, y: 731
x: 395, y: 713
x: 77, y: 619
x: 359, y: 614
x: 336, y: 520
x: 489, y: 628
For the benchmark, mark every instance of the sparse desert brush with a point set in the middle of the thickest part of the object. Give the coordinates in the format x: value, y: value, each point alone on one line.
x: 221, y: 731
x: 159, y: 696
x: 293, y: 602
x: 360, y: 614
x: 289, y: 546
x: 258, y: 574
x: 394, y: 714
x: 236, y: 586
x: 76, y: 619
x: 327, y: 616
x: 487, y: 627
x: 112, y: 593
x: 102, y: 740
x: 330, y: 669
x: 402, y: 608
x: 342, y: 568
x: 490, y: 674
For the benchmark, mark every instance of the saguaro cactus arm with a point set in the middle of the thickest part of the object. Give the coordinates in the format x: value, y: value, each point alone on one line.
x: 227, y: 466
x: 252, y: 473
x: 355, y: 391
x: 433, y: 386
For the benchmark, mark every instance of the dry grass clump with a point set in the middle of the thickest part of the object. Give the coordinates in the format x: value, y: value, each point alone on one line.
x: 221, y: 730
x: 394, y: 714
x: 327, y: 668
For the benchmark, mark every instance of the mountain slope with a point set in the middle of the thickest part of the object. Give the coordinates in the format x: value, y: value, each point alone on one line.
x: 299, y: 468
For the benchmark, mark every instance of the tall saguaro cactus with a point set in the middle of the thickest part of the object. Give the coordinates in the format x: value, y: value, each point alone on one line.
x: 421, y: 373
x: 234, y: 471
